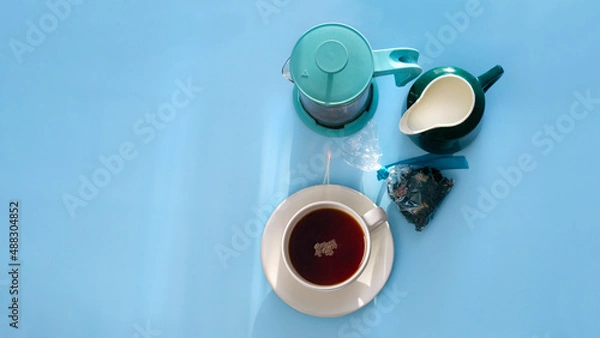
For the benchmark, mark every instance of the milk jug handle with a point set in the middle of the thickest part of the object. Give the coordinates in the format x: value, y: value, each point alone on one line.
x: 490, y: 77
x: 400, y: 62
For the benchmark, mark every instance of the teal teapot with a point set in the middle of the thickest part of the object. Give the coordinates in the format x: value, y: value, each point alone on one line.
x: 333, y: 68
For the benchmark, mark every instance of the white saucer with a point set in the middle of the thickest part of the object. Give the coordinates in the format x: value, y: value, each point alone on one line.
x: 333, y: 303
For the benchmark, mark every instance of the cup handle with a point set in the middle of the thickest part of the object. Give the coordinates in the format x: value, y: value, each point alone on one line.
x: 490, y: 77
x: 374, y: 218
x: 401, y: 62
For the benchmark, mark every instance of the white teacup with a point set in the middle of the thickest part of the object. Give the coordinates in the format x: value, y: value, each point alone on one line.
x: 327, y: 245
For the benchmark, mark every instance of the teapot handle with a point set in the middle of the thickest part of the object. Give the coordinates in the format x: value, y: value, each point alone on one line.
x: 400, y: 62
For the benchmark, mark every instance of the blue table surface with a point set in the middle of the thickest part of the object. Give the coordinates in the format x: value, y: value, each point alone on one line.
x: 134, y: 224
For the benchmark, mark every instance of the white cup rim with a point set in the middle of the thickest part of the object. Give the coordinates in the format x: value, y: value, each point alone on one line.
x: 303, y: 212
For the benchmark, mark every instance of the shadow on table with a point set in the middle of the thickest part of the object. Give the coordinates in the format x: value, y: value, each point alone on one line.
x: 308, y: 160
x: 307, y: 154
x: 277, y: 319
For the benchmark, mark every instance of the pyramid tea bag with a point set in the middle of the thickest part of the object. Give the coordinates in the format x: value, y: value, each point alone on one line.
x: 417, y: 186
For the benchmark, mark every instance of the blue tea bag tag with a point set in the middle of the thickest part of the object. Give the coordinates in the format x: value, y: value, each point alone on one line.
x: 441, y: 162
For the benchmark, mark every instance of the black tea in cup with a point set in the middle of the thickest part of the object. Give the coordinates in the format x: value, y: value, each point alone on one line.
x: 327, y: 246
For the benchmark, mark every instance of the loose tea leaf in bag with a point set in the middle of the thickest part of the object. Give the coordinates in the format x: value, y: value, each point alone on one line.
x: 417, y: 191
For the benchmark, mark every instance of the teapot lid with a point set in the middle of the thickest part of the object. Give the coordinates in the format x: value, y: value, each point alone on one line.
x: 332, y: 64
